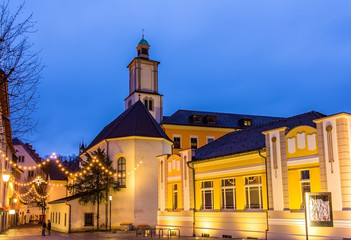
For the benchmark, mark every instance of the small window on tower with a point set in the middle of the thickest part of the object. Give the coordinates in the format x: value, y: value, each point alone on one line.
x: 150, y: 105
x: 144, y: 51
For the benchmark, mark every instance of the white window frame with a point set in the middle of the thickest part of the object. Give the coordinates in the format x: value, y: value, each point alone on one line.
x: 302, y: 182
x: 204, y: 191
x: 247, y: 196
x: 223, y: 194
x: 210, y: 137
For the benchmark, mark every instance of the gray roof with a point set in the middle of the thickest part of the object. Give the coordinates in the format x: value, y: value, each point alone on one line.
x: 135, y: 121
x: 29, y: 149
x: 223, y: 120
x: 251, y: 139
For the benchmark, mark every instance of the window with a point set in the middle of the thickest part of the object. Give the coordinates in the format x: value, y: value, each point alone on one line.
x: 193, y: 142
x: 55, y: 217
x: 88, y: 219
x: 65, y: 221
x: 210, y: 139
x: 305, y: 185
x: 210, y: 119
x: 196, y: 118
x: 207, y: 195
x: 59, y: 218
x: 121, y: 171
x: 149, y: 104
x: 253, y: 192
x: 30, y: 174
x: 228, y: 193
x: 176, y: 142
x: 144, y: 51
x: 175, y: 196
x: 20, y: 158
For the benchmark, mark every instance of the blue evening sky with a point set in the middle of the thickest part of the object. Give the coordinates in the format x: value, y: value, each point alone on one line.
x: 278, y: 58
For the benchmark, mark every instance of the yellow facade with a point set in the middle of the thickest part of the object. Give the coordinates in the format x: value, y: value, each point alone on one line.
x: 187, y: 132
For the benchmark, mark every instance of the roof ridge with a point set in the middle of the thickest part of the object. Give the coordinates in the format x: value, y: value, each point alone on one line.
x: 236, y: 114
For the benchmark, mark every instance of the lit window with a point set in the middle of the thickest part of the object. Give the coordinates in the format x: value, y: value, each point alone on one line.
x: 228, y: 193
x: 207, y: 195
x: 121, y: 171
x: 305, y: 185
x: 88, y: 219
x: 193, y: 142
x: 253, y: 192
x: 176, y: 142
x: 175, y: 196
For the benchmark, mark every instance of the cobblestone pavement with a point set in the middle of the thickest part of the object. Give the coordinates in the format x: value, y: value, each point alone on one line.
x: 33, y: 232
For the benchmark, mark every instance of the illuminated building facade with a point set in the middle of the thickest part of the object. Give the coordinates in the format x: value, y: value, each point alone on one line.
x: 251, y: 183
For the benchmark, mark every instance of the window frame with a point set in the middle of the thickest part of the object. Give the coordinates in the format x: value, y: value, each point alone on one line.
x: 197, y: 142
x: 306, y: 182
x: 249, y: 187
x: 224, y: 193
x: 87, y: 224
x: 204, y: 191
x: 122, y: 172
x: 175, y: 197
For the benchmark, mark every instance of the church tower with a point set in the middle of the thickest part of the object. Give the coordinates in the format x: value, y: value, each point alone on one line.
x: 143, y: 82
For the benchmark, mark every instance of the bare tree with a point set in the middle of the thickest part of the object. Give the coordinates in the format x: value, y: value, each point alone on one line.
x: 22, y: 67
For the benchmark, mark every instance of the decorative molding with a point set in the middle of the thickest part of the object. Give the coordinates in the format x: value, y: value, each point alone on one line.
x: 258, y: 167
x: 303, y: 160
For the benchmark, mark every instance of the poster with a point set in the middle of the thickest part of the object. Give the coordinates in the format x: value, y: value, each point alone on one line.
x: 319, y: 209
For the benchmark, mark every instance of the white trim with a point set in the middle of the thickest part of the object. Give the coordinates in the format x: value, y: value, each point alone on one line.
x: 258, y: 167
x: 276, y: 174
x: 303, y: 160
x: 174, y: 178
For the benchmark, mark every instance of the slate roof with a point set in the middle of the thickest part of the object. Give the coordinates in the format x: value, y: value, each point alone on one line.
x: 223, y: 120
x: 135, y: 121
x: 28, y: 148
x: 55, y: 172
x: 251, y: 138
x: 65, y: 199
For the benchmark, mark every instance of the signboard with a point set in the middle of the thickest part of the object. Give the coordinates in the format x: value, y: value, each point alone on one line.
x: 319, y: 209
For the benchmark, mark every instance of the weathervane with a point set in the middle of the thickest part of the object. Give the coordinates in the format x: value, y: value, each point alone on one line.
x: 142, y: 30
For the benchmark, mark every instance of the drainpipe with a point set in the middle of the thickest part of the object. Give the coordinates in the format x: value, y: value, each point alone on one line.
x: 69, y: 217
x: 194, y: 196
x: 265, y: 163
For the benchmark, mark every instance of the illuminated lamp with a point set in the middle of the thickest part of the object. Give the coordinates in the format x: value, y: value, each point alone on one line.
x: 15, y: 200
x: 5, y: 176
x: 12, y: 211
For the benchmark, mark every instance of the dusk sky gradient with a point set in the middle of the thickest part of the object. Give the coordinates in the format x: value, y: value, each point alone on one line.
x: 278, y: 58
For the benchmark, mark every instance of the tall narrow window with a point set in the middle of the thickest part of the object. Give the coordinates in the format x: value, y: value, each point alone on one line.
x: 121, y: 171
x: 59, y: 218
x: 65, y: 219
x: 20, y: 158
x: 253, y: 192
x: 207, y: 195
x: 176, y: 142
x: 305, y: 185
x: 175, y: 196
x: 228, y: 193
x: 193, y: 142
x: 161, y: 166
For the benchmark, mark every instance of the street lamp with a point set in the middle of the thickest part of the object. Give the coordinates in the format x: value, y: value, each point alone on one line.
x: 5, y: 176
x: 110, y: 198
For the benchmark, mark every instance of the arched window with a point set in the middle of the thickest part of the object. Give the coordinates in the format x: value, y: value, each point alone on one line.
x: 149, y: 103
x: 121, y: 171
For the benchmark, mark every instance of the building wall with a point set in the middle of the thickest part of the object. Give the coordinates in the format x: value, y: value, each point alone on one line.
x: 186, y: 132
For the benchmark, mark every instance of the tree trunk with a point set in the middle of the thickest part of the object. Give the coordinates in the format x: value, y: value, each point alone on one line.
x: 106, y: 210
x: 98, y: 214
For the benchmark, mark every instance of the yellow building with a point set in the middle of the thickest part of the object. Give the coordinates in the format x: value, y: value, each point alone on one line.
x: 252, y: 183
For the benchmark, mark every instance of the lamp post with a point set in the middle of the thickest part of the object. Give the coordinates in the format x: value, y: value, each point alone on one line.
x: 110, y: 198
x: 5, y: 176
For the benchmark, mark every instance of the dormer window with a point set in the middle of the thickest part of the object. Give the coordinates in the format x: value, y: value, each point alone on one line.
x: 245, y: 122
x: 196, y: 118
x: 210, y: 119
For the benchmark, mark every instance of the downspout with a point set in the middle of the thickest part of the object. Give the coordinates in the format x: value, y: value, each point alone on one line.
x: 265, y: 163
x: 69, y: 217
x: 194, y: 196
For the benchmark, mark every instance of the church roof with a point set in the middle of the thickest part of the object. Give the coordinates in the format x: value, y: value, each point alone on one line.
x: 222, y: 120
x: 143, y: 41
x: 252, y: 138
x: 135, y: 121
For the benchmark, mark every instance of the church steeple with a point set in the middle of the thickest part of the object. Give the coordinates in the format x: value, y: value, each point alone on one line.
x: 143, y: 81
